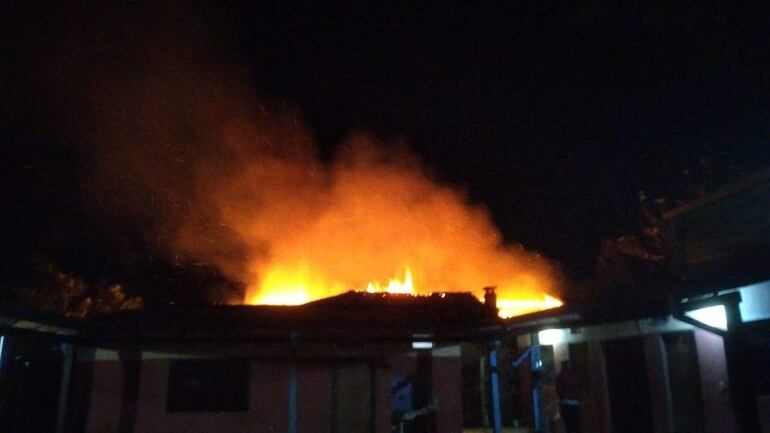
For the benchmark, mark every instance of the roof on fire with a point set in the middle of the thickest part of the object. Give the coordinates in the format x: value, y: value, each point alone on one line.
x: 448, y: 316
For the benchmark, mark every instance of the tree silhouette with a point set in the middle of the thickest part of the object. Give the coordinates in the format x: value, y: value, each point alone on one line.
x: 62, y: 293
x: 631, y: 261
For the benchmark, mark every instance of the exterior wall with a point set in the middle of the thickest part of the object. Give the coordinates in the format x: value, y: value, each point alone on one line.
x: 525, y: 383
x: 629, y: 328
x: 107, y: 381
x: 599, y: 392
x: 268, y: 397
x: 560, y: 354
x: 657, y: 376
x: 403, y: 366
x: 314, y: 393
x: 596, y: 410
x: 268, y: 405
x: 382, y: 400
x: 447, y: 389
x: 352, y: 398
x: 713, y: 370
x: 763, y: 409
x: 446, y: 378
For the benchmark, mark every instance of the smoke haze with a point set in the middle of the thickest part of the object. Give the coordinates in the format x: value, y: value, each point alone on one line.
x: 176, y: 142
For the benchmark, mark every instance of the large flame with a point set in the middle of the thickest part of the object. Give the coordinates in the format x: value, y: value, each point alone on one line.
x: 211, y: 174
x: 395, y: 285
x: 517, y: 307
x: 376, y: 224
x: 286, y: 288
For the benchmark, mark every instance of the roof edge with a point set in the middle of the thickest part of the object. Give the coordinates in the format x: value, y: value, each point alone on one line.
x: 720, y: 193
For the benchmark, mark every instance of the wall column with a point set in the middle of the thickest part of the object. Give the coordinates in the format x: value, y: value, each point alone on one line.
x: 660, y: 386
x: 131, y: 361
x: 717, y: 409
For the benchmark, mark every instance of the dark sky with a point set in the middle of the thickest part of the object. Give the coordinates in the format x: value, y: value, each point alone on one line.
x: 553, y: 115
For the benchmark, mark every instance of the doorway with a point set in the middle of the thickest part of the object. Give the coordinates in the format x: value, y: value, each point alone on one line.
x: 628, y: 385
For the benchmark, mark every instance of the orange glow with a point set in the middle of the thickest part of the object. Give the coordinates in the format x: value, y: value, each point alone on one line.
x: 291, y: 286
x: 394, y: 285
x: 370, y: 223
x: 213, y: 175
x: 516, y: 307
x: 286, y: 287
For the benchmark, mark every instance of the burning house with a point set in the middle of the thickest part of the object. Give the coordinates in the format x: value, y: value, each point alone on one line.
x: 357, y: 362
x: 330, y: 365
x: 687, y: 354
x: 185, y: 158
x: 144, y: 143
x: 242, y: 191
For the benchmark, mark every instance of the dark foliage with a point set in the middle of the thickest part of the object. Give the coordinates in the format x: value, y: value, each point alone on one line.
x: 63, y: 294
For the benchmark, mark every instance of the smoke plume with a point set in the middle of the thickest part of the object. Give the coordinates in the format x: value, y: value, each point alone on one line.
x: 178, y: 143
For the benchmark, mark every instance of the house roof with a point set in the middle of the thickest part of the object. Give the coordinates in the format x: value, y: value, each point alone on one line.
x: 18, y: 319
x: 722, y: 240
x: 610, y: 308
x: 719, y: 194
x: 350, y: 316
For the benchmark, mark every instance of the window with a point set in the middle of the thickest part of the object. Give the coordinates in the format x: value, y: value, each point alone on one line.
x: 208, y: 386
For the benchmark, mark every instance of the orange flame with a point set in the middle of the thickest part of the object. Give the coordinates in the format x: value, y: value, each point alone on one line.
x: 366, y: 219
x: 282, y: 287
x: 516, y: 307
x: 394, y: 285
x: 213, y: 175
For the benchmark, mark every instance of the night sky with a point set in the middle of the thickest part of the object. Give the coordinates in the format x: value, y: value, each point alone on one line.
x: 553, y: 115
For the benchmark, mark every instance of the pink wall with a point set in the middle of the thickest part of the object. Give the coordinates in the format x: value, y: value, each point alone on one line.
x: 763, y: 409
x: 105, y: 397
x: 447, y: 387
x: 314, y: 395
x: 657, y: 377
x: 382, y: 400
x: 268, y: 404
x: 713, y: 376
x: 403, y: 366
x: 599, y: 390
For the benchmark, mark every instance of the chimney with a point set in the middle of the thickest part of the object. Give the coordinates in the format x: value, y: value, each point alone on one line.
x: 490, y: 298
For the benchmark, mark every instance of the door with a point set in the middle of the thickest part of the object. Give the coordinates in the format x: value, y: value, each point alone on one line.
x: 628, y: 386
x: 352, y: 405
